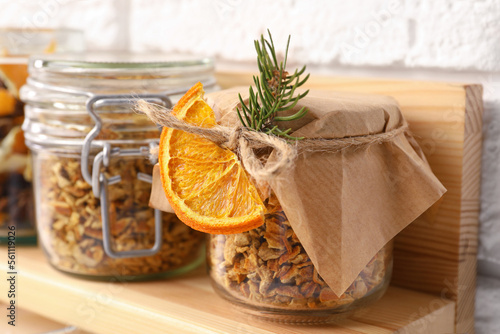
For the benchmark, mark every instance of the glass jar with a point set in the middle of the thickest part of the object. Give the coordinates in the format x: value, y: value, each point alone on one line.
x: 91, y: 173
x: 267, y: 273
x: 16, y: 196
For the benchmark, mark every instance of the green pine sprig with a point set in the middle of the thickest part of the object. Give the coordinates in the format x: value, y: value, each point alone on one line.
x: 274, y: 92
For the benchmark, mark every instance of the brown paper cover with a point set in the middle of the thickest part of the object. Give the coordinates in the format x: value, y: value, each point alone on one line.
x: 345, y: 206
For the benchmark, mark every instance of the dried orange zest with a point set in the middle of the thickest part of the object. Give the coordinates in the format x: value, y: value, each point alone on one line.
x: 205, y: 184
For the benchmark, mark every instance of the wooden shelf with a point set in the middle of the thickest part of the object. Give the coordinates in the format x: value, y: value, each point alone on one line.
x: 188, y: 304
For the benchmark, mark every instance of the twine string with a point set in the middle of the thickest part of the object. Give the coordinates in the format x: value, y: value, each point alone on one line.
x: 245, y: 141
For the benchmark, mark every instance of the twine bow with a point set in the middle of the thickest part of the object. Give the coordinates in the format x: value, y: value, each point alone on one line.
x: 246, y: 141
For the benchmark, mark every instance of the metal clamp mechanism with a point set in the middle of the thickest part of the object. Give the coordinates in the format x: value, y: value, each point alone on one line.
x: 100, y: 182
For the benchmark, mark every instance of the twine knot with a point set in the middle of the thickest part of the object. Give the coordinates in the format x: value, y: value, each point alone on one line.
x: 234, y: 137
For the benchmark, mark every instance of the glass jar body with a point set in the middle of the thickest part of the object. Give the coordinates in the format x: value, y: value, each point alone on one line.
x: 70, y: 222
x: 267, y: 273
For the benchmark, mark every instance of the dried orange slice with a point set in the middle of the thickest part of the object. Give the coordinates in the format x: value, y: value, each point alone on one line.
x: 205, y: 184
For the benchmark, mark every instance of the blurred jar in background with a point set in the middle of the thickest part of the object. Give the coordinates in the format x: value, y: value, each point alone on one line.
x: 16, y: 195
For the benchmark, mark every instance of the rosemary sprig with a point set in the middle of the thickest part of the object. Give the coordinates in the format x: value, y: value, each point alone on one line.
x: 274, y: 92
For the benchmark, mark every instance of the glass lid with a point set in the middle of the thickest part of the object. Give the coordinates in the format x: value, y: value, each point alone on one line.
x: 118, y: 64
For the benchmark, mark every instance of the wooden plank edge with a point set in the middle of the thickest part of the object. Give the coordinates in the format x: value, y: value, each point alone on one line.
x: 469, y: 218
x: 227, y: 79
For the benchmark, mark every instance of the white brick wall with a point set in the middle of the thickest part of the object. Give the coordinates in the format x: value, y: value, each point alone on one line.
x: 446, y: 34
x: 457, y: 40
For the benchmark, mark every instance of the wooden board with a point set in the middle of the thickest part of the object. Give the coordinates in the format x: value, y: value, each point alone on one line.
x: 433, y: 256
x: 188, y: 304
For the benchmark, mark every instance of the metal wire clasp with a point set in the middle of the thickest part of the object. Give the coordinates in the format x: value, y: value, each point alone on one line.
x: 98, y: 179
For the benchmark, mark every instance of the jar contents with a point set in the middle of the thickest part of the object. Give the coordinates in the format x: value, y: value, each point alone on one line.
x: 70, y: 226
x: 267, y: 267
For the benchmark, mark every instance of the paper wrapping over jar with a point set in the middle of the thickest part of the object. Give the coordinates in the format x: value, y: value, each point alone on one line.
x: 344, y: 206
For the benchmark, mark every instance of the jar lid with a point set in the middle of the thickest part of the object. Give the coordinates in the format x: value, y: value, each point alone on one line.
x: 62, y: 88
x: 114, y: 65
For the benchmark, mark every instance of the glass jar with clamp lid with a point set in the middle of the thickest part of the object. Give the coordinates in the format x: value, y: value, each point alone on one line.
x: 91, y: 171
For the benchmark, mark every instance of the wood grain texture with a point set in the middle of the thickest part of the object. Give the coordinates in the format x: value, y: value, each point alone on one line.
x: 439, y: 255
x: 188, y: 304
x: 469, y: 214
